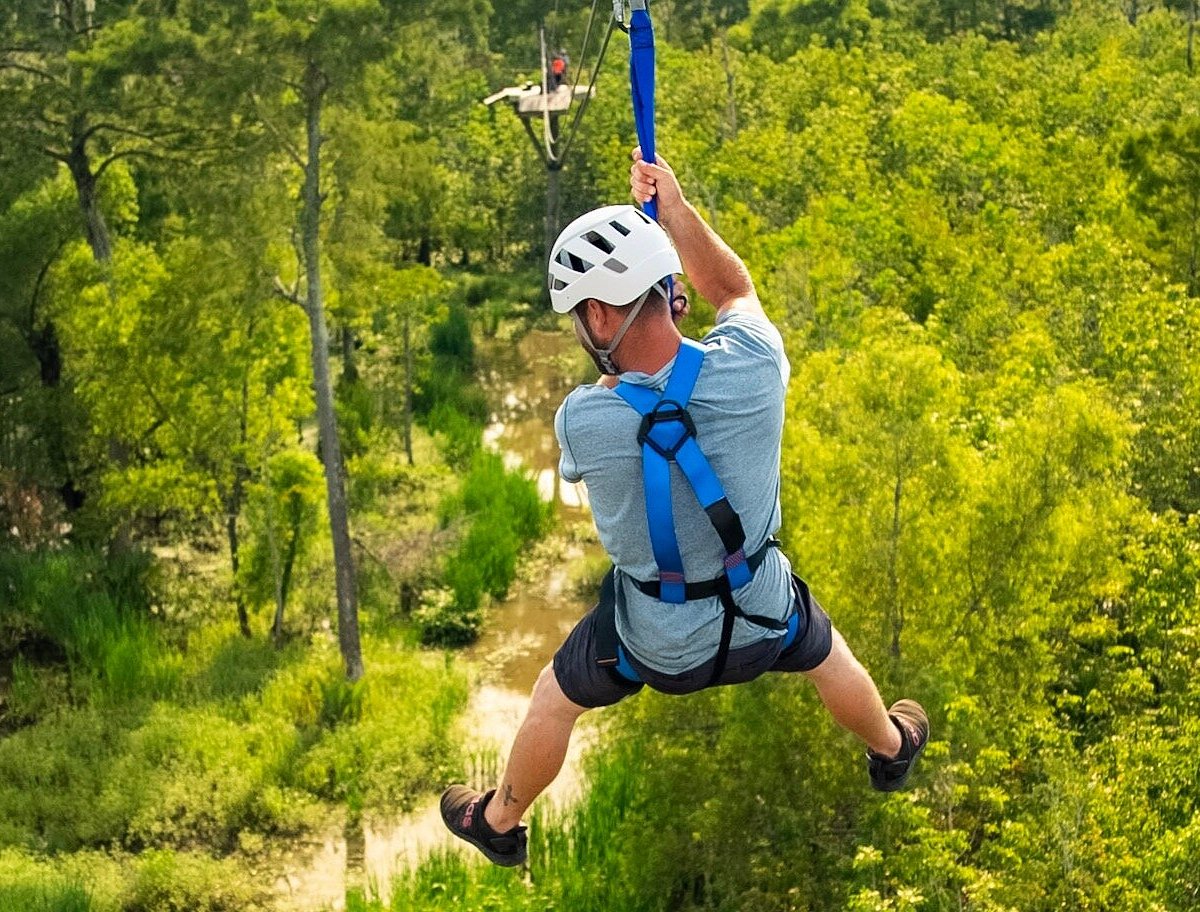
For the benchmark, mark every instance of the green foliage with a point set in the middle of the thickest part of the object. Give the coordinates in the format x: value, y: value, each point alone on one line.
x: 387, y: 739
x: 245, y: 739
x: 451, y: 342
x: 94, y: 608
x: 447, y: 618
x: 976, y: 226
x: 156, y: 881
x: 283, y: 515
x: 504, y: 514
x: 166, y: 881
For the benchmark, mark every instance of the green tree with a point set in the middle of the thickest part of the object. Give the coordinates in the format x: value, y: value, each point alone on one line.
x: 1164, y: 166
x: 90, y: 86
x: 319, y: 50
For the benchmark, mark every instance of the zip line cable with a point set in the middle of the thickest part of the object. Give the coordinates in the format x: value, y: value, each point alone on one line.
x: 574, y: 130
x: 547, y: 128
x: 549, y: 140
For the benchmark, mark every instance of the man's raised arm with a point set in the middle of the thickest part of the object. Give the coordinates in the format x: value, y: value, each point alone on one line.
x: 715, y: 271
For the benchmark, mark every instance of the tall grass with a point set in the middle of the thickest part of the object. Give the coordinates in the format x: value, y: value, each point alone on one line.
x: 154, y: 742
x: 578, y: 859
x: 96, y: 609
x: 504, y: 514
x: 157, y: 881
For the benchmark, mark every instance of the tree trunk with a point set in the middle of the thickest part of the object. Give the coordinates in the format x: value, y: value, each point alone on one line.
x: 897, y: 610
x: 233, y: 509
x: 285, y: 576
x: 95, y: 227
x: 408, y: 386
x: 1191, y: 36
x: 349, y: 366
x: 233, y: 512
x: 730, y: 97
x: 315, y: 86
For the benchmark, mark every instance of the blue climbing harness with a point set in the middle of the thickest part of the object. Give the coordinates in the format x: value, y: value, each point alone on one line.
x: 668, y: 435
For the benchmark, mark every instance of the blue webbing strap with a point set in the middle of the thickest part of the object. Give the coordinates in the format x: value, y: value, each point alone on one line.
x: 656, y: 469
x: 642, y: 87
x: 641, y: 83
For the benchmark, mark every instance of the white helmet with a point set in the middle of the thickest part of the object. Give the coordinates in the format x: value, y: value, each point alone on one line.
x: 613, y: 254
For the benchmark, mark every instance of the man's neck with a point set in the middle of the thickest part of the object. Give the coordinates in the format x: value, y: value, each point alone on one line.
x: 650, y: 350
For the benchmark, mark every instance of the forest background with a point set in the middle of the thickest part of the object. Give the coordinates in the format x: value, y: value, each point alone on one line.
x: 247, y: 252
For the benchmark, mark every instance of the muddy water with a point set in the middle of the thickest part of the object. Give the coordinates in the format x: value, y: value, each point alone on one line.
x: 525, y: 381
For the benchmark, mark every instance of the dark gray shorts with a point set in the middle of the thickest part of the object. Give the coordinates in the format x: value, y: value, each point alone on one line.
x: 587, y: 684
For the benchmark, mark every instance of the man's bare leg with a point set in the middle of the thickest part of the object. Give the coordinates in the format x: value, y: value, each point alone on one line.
x: 537, y: 753
x: 853, y: 700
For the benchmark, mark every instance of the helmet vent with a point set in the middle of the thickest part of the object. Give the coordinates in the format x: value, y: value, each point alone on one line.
x: 557, y: 285
x: 621, y: 229
x: 615, y: 265
x: 599, y: 241
x: 573, y: 262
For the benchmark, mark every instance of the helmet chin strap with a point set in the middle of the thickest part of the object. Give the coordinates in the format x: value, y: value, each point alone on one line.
x: 604, y: 356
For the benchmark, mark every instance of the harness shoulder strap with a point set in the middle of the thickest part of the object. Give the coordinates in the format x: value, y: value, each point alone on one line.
x: 667, y: 435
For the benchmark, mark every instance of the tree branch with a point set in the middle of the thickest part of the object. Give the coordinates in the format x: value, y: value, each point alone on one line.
x: 25, y: 68
x: 37, y: 285
x: 288, y: 294
x: 127, y: 131
x: 286, y: 144
x: 50, y: 121
x: 55, y: 154
x: 128, y: 153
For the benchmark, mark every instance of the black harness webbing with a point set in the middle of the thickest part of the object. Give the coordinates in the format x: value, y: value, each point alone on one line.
x: 608, y: 644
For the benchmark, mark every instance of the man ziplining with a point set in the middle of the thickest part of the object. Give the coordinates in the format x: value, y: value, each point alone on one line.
x: 679, y: 446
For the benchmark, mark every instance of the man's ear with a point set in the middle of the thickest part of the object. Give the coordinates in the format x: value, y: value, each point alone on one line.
x: 596, y: 313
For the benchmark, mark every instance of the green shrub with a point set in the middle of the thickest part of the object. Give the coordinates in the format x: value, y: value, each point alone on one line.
x: 505, y: 514
x: 383, y: 473
x: 283, y: 513
x: 451, y: 342
x: 165, y: 881
x: 357, y: 415
x: 52, y: 897
x: 156, y: 881
x: 61, y: 882
x: 461, y: 435
x: 194, y: 777
x: 400, y: 745
x: 95, y: 607
x: 33, y: 692
x: 446, y: 619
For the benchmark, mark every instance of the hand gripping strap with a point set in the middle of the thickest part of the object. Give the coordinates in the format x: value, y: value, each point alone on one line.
x: 667, y: 434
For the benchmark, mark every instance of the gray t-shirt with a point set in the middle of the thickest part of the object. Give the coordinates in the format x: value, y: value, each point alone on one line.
x: 737, y: 407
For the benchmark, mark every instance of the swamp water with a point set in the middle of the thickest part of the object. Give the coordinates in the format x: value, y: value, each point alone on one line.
x: 526, y: 381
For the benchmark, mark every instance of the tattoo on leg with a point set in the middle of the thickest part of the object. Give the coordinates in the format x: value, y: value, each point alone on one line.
x: 508, y: 796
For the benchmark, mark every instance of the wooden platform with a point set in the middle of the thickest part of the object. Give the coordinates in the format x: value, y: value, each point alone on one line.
x: 530, y: 102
